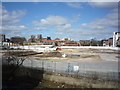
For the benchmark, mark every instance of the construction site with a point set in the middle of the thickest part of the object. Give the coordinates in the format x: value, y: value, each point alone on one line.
x: 61, y: 68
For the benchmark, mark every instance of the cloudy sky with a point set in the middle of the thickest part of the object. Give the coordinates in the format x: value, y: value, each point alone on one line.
x: 75, y: 20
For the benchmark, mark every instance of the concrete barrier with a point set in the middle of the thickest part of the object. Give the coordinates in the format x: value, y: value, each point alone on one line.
x: 37, y: 48
x: 89, y: 47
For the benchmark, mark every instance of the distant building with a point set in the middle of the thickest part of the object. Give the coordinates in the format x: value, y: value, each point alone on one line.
x: 57, y: 39
x: 67, y: 39
x: 38, y: 40
x: 108, y: 42
x: 71, y: 43
x: 105, y: 42
x: 39, y: 36
x: 2, y: 37
x: 92, y: 42
x: 85, y: 42
x: 48, y: 38
x: 4, y: 42
x: 32, y: 39
x: 116, y: 39
x: 32, y: 36
x: 49, y: 42
x: 118, y: 42
x: 18, y: 40
x: 44, y: 39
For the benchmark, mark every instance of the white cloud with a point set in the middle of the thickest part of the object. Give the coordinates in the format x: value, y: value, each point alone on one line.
x: 36, y: 1
x: 11, y: 21
x: 84, y: 24
x: 102, y: 27
x: 59, y: 25
x: 103, y: 0
x: 52, y: 21
x: 99, y: 28
x: 74, y: 4
x: 12, y: 17
x: 110, y: 20
x: 103, y: 4
x: 96, y: 3
x: 75, y: 18
x: 67, y: 26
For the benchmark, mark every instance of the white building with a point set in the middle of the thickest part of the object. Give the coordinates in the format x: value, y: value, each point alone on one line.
x: 116, y: 39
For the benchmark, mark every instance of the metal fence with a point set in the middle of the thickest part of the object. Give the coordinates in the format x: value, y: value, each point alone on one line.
x: 72, y: 68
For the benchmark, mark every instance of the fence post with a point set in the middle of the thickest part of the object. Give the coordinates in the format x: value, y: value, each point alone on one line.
x: 42, y: 64
x: 68, y: 68
x: 31, y: 63
x: 47, y: 66
x: 78, y: 70
x: 55, y: 66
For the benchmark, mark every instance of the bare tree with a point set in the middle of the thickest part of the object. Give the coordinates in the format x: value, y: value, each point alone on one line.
x: 14, y: 63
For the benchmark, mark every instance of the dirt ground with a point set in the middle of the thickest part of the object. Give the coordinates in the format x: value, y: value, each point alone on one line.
x: 85, y: 55
x: 102, y: 60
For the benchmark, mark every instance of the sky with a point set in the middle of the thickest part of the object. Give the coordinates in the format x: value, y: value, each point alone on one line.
x: 75, y: 20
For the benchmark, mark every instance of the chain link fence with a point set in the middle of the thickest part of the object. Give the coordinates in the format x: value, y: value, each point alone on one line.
x: 73, y: 69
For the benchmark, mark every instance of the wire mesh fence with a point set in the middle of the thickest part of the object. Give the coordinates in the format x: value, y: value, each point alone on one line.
x: 72, y: 69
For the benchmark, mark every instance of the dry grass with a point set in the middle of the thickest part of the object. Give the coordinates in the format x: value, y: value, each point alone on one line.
x: 80, y: 82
